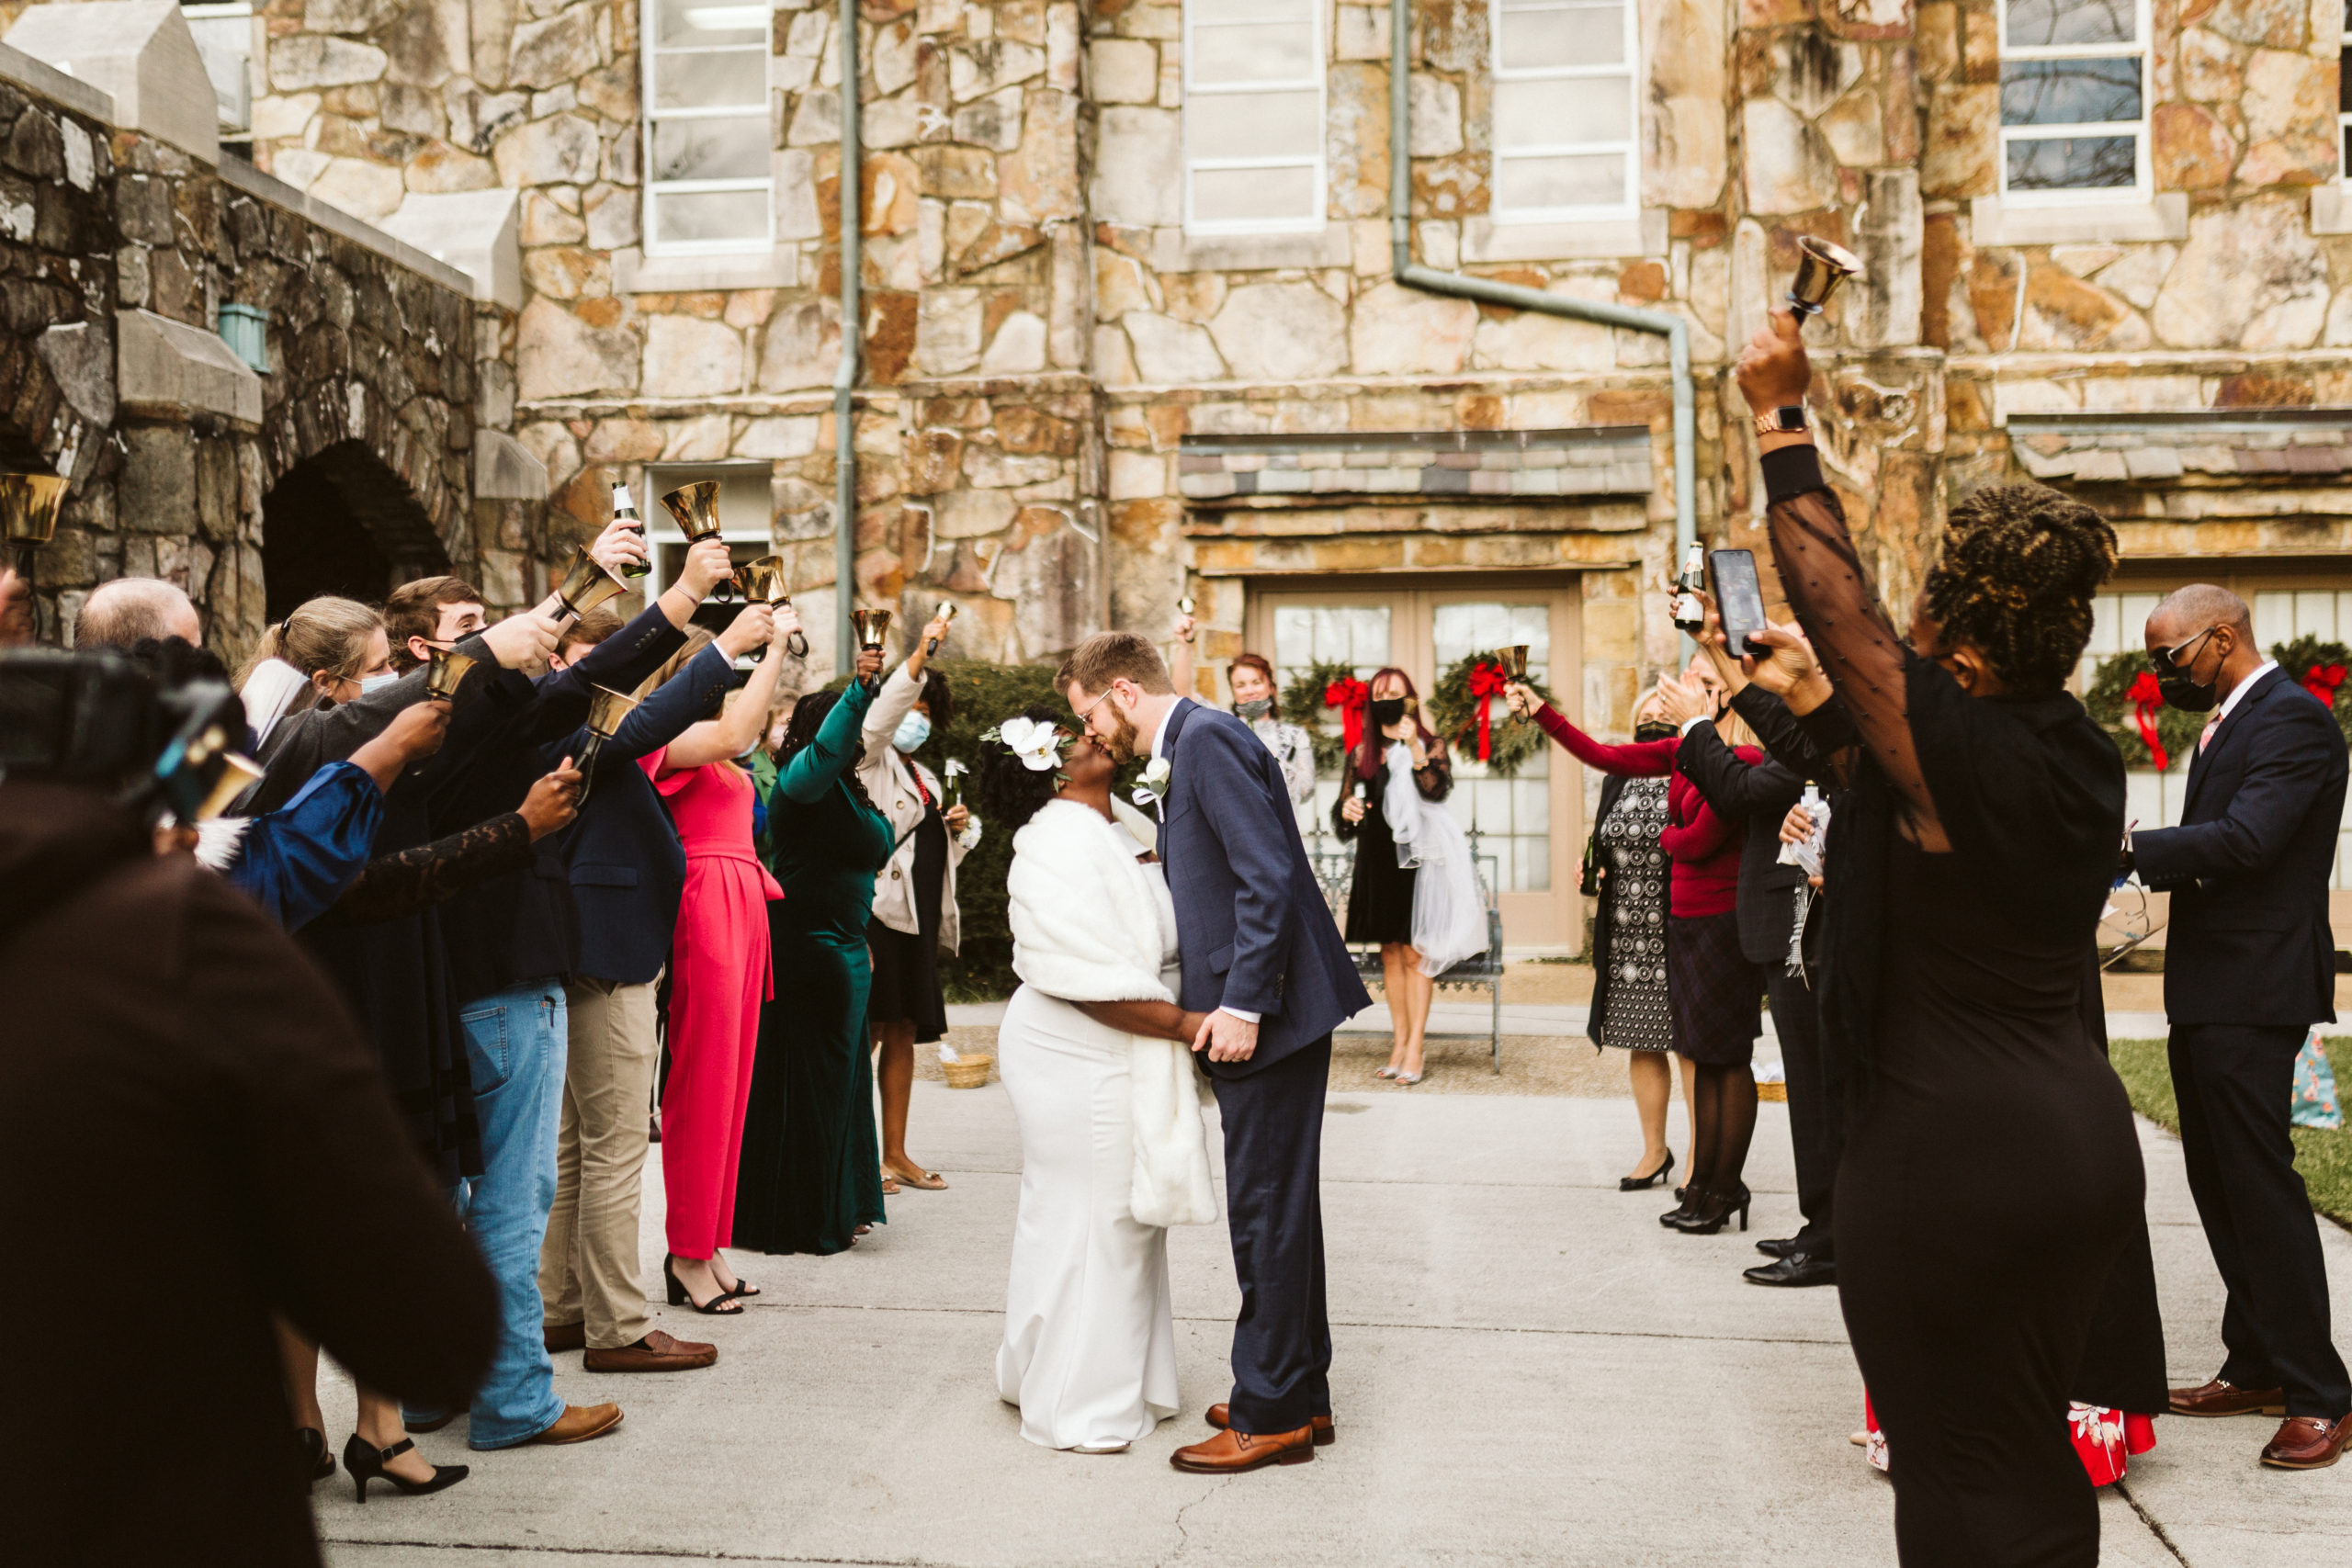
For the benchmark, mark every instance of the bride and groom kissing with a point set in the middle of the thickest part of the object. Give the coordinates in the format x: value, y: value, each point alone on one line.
x: 1145, y: 944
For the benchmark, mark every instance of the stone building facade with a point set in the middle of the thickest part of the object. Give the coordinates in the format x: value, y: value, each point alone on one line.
x: 347, y: 436
x: 1132, y: 328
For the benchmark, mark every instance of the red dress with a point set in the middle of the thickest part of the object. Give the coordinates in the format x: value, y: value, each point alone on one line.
x: 2105, y: 1439
x: 720, y: 973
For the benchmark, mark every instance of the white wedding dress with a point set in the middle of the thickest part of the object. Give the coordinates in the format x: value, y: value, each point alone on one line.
x: 1111, y: 1130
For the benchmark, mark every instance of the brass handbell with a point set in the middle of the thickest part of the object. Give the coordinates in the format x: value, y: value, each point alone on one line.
x: 605, y: 710
x: 1513, y: 660
x: 587, y: 584
x: 696, y: 506
x: 762, y: 581
x: 869, y: 625
x: 238, y: 774
x: 446, y: 674
x: 29, y: 508
x: 1821, y: 267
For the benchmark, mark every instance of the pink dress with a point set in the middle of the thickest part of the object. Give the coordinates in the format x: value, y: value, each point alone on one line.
x: 720, y: 973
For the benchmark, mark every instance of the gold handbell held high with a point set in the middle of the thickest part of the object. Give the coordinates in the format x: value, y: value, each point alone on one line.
x: 238, y: 774
x: 1821, y: 267
x: 762, y: 581
x: 605, y: 710
x: 696, y: 506
x: 869, y: 625
x: 28, y: 507
x: 587, y: 584
x: 446, y: 674
x: 1513, y: 660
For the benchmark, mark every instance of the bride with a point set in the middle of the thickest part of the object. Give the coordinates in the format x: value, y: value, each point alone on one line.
x: 1093, y: 1055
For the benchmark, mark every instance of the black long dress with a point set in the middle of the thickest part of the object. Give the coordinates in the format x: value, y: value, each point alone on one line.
x: 1992, y: 1179
x: 1380, y: 893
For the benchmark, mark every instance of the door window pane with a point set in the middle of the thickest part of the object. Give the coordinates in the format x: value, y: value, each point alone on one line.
x: 1507, y: 818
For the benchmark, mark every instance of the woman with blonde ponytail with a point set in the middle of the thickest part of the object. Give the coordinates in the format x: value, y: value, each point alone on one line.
x: 329, y: 649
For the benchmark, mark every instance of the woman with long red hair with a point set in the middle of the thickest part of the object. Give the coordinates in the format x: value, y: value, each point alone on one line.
x: 1380, y: 895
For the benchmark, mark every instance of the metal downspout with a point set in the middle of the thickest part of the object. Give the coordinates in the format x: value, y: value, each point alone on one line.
x: 1412, y: 274
x: 853, y: 339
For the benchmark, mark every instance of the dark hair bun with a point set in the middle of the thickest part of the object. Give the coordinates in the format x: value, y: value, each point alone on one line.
x: 2020, y: 568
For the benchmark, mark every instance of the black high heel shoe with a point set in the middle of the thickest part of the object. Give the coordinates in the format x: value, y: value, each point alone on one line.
x: 312, y: 1453
x: 1710, y: 1212
x: 1654, y: 1179
x: 743, y: 1287
x: 720, y: 1305
x: 366, y: 1462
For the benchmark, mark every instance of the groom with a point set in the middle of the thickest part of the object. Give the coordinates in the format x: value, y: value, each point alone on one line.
x: 1263, y: 959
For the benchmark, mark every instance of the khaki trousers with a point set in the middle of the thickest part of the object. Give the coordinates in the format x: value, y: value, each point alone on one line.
x: 590, y: 1272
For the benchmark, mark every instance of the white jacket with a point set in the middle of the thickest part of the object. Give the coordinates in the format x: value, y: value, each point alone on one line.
x: 1091, y: 924
x: 889, y: 784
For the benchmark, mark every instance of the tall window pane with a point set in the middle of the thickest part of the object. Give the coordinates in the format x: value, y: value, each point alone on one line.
x: 1510, y: 819
x: 1253, y: 117
x: 1567, y: 114
x: 708, y: 185
x: 2073, y: 98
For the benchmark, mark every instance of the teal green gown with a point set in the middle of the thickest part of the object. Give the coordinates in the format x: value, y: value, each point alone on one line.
x: 811, y: 1167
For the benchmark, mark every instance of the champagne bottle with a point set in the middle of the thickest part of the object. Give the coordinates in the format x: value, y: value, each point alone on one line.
x: 625, y: 513
x: 1689, y: 614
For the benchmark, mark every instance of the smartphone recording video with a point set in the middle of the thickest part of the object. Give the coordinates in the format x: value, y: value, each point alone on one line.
x: 1739, y: 597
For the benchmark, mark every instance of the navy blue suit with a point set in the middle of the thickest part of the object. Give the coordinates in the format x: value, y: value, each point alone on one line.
x: 1257, y: 936
x: 2249, y: 966
x: 628, y: 868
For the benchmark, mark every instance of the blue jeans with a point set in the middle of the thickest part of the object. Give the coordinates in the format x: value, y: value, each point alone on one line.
x: 516, y: 1046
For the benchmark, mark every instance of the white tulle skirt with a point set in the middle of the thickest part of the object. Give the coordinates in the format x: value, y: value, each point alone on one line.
x: 1449, y: 910
x: 1090, y: 1335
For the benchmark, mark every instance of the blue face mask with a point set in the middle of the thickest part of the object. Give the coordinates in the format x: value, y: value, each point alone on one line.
x: 913, y: 731
x: 377, y: 682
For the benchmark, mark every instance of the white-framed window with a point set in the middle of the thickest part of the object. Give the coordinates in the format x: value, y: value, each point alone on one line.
x: 2073, y: 101
x: 746, y: 517
x: 1566, y: 116
x: 224, y: 41
x: 1253, y: 117
x: 709, y: 185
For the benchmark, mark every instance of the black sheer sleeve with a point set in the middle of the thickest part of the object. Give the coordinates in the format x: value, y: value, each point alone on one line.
x: 401, y: 883
x: 1822, y: 574
x: 1434, y: 778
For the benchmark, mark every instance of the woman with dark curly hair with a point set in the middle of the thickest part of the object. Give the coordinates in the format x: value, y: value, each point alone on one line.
x: 810, y: 1178
x: 1992, y: 1182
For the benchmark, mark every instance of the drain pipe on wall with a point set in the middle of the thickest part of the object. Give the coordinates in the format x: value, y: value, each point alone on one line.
x: 852, y: 186
x: 1412, y: 274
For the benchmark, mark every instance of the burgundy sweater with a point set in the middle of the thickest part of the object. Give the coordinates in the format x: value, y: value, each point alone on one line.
x: 1703, y: 847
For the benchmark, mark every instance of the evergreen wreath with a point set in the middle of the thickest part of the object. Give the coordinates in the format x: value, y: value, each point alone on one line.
x: 1303, y: 705
x: 2125, y: 688
x: 1454, y: 708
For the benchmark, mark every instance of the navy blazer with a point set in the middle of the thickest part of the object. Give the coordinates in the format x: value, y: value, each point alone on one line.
x: 1256, y: 932
x: 522, y: 925
x: 2250, y: 940
x: 626, y: 865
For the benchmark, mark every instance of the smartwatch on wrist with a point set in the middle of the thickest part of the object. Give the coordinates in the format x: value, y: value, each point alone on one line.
x: 1783, y: 421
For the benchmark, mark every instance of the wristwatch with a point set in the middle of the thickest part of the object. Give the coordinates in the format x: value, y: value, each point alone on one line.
x: 1783, y: 421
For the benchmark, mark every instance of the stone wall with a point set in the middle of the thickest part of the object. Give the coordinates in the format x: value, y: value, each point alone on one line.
x: 119, y: 249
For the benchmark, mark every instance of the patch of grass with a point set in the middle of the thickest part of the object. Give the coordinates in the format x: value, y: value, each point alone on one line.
x: 2324, y: 1158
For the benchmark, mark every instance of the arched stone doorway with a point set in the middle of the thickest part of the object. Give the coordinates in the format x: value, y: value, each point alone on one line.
x: 341, y: 521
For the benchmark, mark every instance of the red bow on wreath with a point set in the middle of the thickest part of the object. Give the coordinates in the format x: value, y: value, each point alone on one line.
x: 2145, y: 697
x: 1349, y: 695
x: 1487, y: 682
x: 2323, y: 683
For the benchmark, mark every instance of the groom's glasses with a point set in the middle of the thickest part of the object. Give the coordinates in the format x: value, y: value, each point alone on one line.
x: 1092, y: 705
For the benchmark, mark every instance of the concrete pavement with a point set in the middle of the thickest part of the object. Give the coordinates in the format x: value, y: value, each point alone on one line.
x: 1529, y: 1371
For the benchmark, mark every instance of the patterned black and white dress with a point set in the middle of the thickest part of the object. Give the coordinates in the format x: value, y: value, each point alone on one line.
x: 1635, y: 1016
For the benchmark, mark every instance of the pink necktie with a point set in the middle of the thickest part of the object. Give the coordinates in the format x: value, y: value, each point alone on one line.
x: 2205, y: 735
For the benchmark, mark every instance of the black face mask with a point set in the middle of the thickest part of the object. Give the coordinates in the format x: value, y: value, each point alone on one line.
x: 2181, y: 690
x: 1653, y: 729
x: 1256, y: 709
x: 1387, y: 711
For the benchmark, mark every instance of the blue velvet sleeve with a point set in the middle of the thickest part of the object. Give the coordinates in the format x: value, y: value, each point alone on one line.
x: 298, y: 859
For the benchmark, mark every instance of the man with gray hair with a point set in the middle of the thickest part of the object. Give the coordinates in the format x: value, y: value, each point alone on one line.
x: 2249, y: 967
x: 128, y: 610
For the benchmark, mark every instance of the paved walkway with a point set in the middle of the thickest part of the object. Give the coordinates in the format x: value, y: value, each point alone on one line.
x: 1528, y: 1371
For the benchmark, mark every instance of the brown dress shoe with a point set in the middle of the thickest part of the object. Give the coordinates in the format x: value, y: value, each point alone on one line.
x: 2219, y: 1398
x: 1231, y: 1452
x: 2307, y: 1442
x: 657, y: 1352
x: 1325, y: 1433
x: 562, y: 1337
x: 579, y: 1423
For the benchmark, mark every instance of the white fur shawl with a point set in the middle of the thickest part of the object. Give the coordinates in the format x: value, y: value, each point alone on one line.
x: 1091, y: 925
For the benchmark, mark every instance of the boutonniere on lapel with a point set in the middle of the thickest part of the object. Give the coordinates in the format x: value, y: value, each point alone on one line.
x: 1151, y: 790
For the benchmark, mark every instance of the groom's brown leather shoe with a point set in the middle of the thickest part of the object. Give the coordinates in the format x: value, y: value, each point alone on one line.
x: 1325, y: 1433
x: 2307, y: 1442
x: 2219, y: 1398
x: 1230, y: 1452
